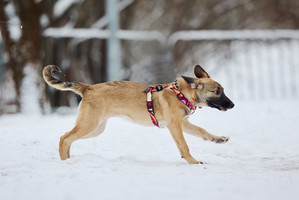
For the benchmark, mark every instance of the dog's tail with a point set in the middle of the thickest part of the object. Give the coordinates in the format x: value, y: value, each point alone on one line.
x: 48, y: 74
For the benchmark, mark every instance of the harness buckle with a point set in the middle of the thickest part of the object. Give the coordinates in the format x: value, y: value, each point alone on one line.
x: 159, y: 88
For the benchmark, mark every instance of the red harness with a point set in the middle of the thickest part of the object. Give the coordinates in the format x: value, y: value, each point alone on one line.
x: 158, y: 88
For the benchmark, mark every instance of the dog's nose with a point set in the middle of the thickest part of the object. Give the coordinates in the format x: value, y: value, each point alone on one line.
x: 231, y: 105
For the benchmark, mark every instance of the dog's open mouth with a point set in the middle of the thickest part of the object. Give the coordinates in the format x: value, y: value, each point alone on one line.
x: 213, y: 105
x: 220, y: 108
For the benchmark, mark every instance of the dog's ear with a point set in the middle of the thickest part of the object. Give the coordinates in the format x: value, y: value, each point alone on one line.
x: 193, y: 82
x: 200, y: 72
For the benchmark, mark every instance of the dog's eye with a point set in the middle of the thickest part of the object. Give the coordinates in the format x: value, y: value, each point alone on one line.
x: 217, y: 92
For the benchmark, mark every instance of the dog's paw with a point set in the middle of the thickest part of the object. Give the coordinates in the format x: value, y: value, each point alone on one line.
x: 192, y: 161
x: 197, y: 162
x: 220, y: 140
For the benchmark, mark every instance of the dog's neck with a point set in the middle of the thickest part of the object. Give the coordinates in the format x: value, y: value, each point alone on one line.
x: 187, y: 91
x: 175, y: 87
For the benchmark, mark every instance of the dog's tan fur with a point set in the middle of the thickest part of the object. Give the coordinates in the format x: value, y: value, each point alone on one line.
x: 127, y: 98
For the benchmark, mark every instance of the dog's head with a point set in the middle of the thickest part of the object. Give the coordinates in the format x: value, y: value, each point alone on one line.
x: 209, y: 92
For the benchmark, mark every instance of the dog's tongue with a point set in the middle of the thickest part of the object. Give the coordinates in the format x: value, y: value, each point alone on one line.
x: 223, y: 109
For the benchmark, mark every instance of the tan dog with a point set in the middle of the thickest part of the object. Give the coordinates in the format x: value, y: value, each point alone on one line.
x: 129, y: 99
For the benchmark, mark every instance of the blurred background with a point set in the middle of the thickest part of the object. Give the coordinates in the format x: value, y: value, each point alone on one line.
x: 251, y: 47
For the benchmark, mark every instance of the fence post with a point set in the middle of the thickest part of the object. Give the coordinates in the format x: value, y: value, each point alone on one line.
x: 2, y: 64
x: 113, y: 43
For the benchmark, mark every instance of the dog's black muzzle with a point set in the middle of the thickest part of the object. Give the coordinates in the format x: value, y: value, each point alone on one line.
x: 221, y: 103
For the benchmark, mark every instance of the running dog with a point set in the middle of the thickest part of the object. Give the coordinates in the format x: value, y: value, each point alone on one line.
x: 165, y: 105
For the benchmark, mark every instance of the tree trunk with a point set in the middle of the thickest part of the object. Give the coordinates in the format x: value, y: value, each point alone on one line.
x: 13, y: 63
x: 27, y: 49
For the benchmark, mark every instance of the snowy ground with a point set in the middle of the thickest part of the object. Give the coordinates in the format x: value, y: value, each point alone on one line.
x: 128, y: 161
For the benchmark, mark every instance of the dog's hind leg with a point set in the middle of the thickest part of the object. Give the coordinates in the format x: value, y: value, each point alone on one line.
x: 66, y: 141
x: 88, y: 125
x: 78, y: 132
x: 100, y: 129
x: 200, y: 132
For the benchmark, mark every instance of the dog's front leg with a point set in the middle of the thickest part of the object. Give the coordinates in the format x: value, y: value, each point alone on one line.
x: 200, y: 132
x: 176, y: 130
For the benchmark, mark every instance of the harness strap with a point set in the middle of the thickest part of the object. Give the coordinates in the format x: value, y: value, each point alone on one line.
x: 182, y: 98
x: 150, y: 107
x: 158, y: 88
x: 150, y: 104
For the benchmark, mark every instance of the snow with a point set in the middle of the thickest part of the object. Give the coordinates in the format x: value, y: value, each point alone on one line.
x: 14, y: 24
x: 128, y: 161
x: 76, y: 33
x: 61, y: 6
x: 30, y: 91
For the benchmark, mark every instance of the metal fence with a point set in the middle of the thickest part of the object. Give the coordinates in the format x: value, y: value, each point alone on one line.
x: 254, y: 65
x: 261, y: 69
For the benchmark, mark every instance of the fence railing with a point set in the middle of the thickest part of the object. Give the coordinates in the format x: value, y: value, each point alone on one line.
x: 258, y: 69
x: 256, y: 64
x: 261, y: 64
